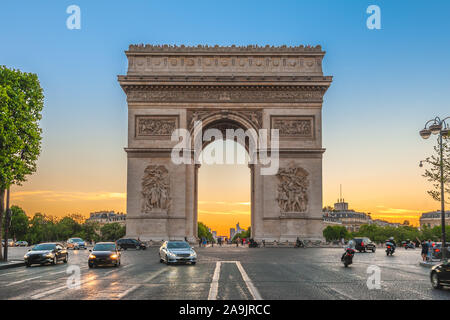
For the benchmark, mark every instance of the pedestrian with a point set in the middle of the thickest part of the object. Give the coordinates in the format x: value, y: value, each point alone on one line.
x: 424, y: 250
x: 430, y: 250
x: 237, y: 241
x: 200, y: 242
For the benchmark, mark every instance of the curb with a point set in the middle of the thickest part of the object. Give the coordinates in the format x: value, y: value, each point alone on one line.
x: 14, y: 264
x: 427, y: 265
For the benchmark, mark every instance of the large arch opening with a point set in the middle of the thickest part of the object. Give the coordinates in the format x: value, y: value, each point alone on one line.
x: 224, y: 200
x: 224, y: 178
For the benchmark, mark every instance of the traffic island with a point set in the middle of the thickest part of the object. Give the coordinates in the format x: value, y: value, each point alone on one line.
x: 428, y: 264
x: 11, y: 264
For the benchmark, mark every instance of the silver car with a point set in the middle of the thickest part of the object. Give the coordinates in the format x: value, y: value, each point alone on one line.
x: 177, y: 252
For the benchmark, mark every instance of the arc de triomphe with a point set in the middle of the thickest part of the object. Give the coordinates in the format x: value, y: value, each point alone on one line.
x: 172, y: 87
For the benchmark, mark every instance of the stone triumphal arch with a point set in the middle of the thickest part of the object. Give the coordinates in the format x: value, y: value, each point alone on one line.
x: 178, y: 87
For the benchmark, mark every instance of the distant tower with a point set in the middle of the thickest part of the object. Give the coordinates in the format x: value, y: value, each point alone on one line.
x: 341, y: 205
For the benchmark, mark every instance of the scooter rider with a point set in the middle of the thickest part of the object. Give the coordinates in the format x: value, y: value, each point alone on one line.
x: 392, y: 241
x: 351, y: 244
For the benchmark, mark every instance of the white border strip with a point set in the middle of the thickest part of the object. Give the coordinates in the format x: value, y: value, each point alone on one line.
x: 253, y: 291
x: 214, y: 289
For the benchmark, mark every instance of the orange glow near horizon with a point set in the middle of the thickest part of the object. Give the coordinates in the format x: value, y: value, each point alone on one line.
x: 224, y: 192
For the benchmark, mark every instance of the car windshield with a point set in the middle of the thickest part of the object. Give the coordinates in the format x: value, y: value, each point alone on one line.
x: 44, y: 246
x: 105, y: 247
x: 77, y: 240
x: 178, y: 245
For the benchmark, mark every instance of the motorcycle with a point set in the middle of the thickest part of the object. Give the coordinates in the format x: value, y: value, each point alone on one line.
x: 299, y: 243
x: 410, y: 246
x: 253, y: 244
x: 390, y: 249
x: 347, y: 257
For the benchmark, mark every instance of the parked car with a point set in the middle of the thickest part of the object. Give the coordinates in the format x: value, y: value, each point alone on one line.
x: 104, y: 253
x: 21, y: 244
x: 440, y: 275
x: 364, y: 245
x: 128, y: 243
x: 76, y: 244
x: 177, y: 252
x: 437, y: 251
x: 46, y: 253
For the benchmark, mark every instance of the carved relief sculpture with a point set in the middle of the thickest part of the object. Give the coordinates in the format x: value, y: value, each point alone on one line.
x: 148, y: 126
x: 292, y: 189
x: 294, y: 127
x: 155, y: 189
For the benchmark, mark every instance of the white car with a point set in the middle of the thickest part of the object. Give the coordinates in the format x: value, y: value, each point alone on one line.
x: 177, y: 252
x: 21, y: 244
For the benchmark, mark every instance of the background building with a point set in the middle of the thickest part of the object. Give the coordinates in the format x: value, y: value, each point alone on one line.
x: 341, y: 215
x: 103, y: 217
x: 433, y: 218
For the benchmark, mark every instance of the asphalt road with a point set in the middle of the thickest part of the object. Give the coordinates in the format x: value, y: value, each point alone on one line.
x: 227, y: 273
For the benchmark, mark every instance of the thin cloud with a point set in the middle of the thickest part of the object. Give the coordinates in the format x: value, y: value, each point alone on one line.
x: 398, y: 211
x: 49, y: 195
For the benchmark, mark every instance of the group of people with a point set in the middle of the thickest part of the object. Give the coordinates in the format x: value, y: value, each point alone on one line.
x: 427, y: 250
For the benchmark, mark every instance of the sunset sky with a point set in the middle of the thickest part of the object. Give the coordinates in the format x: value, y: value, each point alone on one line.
x: 387, y: 84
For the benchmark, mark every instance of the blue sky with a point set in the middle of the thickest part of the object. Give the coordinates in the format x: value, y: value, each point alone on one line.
x: 387, y: 82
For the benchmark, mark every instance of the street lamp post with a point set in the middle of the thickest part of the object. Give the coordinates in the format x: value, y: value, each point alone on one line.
x: 440, y: 127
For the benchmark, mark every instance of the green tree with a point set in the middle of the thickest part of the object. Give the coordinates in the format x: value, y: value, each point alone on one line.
x: 203, y: 231
x: 90, y: 231
x: 21, y: 104
x: 433, y: 173
x: 332, y: 233
x: 19, y: 223
x: 112, y: 231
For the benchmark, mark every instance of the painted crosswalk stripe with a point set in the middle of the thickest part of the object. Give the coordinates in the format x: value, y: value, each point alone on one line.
x: 22, y: 281
x: 214, y: 289
x: 133, y: 288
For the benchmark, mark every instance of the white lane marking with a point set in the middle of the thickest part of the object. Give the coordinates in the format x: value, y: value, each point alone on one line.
x: 214, y: 289
x: 133, y: 288
x: 116, y: 270
x: 52, y: 291
x: 14, y: 272
x: 21, y: 281
x: 254, y: 292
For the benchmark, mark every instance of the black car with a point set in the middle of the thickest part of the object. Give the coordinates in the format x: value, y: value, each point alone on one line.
x: 128, y: 243
x: 364, y: 244
x: 46, y: 253
x: 436, y: 252
x: 440, y: 275
x: 104, y: 253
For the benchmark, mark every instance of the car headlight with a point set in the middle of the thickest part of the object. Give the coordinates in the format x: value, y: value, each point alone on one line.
x: 193, y: 254
x: 114, y: 256
x: 48, y: 255
x: 91, y: 256
x: 171, y: 254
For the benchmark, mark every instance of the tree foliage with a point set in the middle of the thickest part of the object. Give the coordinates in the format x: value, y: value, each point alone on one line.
x: 332, y: 233
x: 380, y: 234
x: 21, y: 104
x: 112, y: 231
x: 203, y: 231
x: 433, y: 173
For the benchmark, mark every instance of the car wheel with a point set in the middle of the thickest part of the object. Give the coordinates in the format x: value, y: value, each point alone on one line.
x: 435, y: 281
x: 193, y: 263
x: 55, y: 261
x: 373, y: 250
x: 66, y: 258
x: 27, y: 265
x: 90, y: 265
